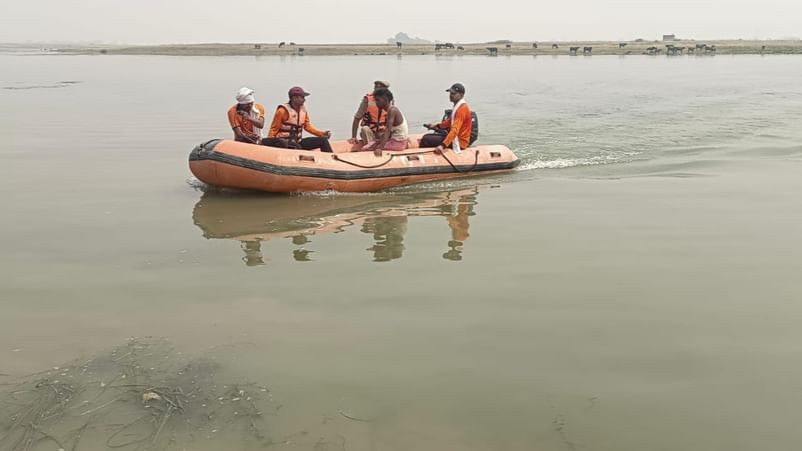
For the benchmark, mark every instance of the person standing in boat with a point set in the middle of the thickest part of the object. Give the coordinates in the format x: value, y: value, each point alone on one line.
x: 395, y: 134
x: 459, y: 124
x: 289, y: 123
x: 368, y: 118
x: 247, y: 118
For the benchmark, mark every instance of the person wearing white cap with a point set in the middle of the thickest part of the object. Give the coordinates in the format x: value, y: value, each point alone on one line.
x: 368, y: 118
x: 247, y: 118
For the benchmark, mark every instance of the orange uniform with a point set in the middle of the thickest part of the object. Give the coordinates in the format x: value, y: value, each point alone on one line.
x: 371, y: 114
x: 282, y: 116
x: 244, y: 123
x: 460, y: 129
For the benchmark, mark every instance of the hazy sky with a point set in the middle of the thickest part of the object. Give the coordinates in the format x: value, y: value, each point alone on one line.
x: 327, y: 21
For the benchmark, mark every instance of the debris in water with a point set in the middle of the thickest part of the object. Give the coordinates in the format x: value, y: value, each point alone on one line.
x: 151, y: 396
x: 140, y: 396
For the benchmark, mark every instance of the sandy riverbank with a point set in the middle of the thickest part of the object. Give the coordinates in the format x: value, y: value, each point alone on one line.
x: 516, y: 48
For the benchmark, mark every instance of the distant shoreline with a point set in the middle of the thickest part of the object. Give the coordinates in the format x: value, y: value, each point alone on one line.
x: 726, y: 47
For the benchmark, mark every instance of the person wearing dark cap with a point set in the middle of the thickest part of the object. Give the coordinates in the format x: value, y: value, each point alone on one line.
x: 289, y: 123
x: 368, y: 118
x: 458, y: 125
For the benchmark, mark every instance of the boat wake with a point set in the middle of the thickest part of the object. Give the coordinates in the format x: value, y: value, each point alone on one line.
x: 564, y: 163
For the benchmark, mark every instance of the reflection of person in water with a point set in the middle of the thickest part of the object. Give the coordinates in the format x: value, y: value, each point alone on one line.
x: 458, y: 222
x: 254, y: 221
x: 254, y: 257
x: 253, y: 253
x: 388, y: 231
x: 301, y: 254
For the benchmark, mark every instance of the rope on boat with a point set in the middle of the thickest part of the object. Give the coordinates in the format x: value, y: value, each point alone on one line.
x: 363, y: 166
x: 475, y: 162
x: 203, y: 145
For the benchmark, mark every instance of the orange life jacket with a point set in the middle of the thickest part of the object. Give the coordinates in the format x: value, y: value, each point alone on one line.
x: 293, y: 126
x: 373, y: 116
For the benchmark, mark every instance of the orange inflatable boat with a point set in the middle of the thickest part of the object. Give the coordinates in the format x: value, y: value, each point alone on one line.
x: 231, y: 164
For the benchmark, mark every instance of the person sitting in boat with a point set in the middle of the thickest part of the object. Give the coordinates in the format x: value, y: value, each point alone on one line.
x: 458, y: 125
x: 289, y: 123
x: 394, y: 136
x: 247, y: 118
x: 368, y: 118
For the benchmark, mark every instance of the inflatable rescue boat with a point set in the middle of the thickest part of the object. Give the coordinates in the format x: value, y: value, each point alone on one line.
x: 230, y: 164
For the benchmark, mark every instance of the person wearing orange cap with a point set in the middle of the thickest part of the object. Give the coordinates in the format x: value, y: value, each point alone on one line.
x: 291, y: 120
x: 368, y: 118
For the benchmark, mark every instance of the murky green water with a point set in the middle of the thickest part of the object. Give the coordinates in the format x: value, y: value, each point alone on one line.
x: 634, y: 286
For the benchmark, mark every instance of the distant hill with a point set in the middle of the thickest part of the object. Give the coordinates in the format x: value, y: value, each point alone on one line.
x: 406, y: 39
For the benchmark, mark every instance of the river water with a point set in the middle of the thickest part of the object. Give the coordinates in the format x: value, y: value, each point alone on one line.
x: 634, y: 285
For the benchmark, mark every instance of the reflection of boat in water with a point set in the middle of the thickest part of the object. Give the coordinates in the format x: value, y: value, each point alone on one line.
x: 254, y: 220
x: 231, y: 164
